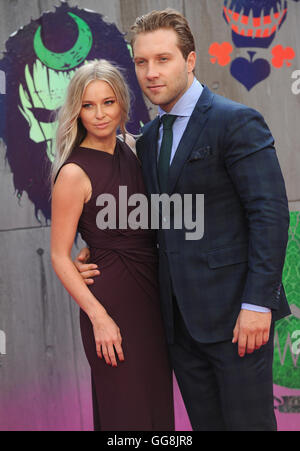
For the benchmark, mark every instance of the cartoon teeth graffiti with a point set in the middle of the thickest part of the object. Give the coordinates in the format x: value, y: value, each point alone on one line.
x: 254, y: 25
x: 39, y: 61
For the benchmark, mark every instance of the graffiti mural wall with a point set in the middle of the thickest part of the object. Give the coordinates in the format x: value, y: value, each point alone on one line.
x: 244, y: 47
x: 39, y: 62
x: 254, y: 24
x: 286, y: 365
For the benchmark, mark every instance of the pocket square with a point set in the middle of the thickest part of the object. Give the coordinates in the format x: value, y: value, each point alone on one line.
x: 201, y: 154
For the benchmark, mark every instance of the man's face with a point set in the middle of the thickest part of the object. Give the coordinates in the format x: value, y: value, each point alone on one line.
x: 163, y: 73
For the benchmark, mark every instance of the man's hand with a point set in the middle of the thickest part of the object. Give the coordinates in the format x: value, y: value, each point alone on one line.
x: 251, y: 331
x: 87, y: 271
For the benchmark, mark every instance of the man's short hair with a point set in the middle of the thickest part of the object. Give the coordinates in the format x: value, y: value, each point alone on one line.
x: 167, y: 19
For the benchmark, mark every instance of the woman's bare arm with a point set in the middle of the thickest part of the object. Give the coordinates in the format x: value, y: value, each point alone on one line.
x: 71, y: 190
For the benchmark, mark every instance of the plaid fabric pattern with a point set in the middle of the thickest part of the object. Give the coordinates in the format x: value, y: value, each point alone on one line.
x: 222, y: 391
x: 226, y: 153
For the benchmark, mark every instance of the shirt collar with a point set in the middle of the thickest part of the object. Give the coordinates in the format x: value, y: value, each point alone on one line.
x: 187, y: 102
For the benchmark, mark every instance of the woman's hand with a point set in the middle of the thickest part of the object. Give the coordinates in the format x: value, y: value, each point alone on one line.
x: 108, y: 338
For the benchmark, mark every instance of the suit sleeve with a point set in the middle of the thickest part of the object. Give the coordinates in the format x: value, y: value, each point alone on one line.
x: 252, y: 164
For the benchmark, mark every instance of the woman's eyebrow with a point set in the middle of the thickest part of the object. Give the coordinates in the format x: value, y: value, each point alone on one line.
x: 106, y: 98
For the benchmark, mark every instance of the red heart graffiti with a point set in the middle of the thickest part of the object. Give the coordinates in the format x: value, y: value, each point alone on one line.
x: 282, y: 55
x: 220, y: 53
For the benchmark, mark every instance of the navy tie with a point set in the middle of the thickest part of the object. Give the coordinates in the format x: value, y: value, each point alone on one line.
x: 165, y: 151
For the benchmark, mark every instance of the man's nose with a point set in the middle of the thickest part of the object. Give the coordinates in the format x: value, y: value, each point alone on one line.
x: 152, y: 72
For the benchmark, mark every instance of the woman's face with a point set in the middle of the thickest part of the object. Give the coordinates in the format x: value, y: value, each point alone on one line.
x: 100, y: 112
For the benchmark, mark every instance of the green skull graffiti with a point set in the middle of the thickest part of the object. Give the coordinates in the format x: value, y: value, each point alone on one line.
x: 46, y: 87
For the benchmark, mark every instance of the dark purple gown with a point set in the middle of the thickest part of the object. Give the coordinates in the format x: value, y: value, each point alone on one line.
x: 137, y: 394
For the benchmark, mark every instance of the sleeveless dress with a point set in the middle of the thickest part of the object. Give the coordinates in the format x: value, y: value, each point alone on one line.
x: 137, y: 395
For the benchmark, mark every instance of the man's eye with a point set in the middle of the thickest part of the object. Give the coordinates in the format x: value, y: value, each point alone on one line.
x: 163, y: 59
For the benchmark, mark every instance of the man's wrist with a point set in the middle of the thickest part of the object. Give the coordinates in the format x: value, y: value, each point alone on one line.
x: 255, y: 308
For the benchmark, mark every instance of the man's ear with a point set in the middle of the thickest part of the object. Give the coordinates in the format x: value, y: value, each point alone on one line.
x: 191, y: 61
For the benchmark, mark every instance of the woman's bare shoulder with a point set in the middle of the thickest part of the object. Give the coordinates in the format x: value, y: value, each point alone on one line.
x: 71, y: 172
x: 72, y: 180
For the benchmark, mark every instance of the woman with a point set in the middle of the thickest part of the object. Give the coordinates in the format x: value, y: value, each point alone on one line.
x: 120, y: 317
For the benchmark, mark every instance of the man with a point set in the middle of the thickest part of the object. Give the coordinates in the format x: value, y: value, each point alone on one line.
x: 221, y: 294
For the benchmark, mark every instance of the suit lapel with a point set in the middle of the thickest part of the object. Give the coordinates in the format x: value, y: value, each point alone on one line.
x: 191, y: 134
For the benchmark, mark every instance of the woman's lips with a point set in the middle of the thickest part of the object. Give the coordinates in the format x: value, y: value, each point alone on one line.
x: 102, y: 125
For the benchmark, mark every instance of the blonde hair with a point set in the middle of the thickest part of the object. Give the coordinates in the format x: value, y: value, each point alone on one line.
x: 70, y: 132
x: 168, y: 19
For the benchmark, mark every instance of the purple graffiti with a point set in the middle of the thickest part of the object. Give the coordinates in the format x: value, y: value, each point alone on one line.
x: 249, y: 73
x: 36, y: 82
x: 254, y: 23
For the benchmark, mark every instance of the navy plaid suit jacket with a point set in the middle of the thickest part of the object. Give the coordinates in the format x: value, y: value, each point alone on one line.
x: 226, y: 153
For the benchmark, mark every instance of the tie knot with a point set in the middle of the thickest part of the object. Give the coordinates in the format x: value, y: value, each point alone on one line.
x: 168, y: 121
